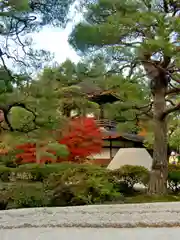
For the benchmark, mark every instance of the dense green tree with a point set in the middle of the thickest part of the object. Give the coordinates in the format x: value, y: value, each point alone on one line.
x: 142, y: 38
x: 94, y: 72
x: 22, y: 113
x: 18, y: 19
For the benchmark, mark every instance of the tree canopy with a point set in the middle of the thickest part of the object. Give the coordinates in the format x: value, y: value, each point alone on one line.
x: 142, y: 39
x: 20, y: 18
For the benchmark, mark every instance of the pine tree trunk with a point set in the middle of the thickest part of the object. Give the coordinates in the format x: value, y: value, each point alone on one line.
x: 159, y: 173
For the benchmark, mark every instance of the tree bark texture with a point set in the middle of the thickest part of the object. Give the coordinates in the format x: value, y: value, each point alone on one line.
x: 159, y: 173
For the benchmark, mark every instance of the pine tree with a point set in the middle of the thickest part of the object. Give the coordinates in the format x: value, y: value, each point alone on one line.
x: 18, y: 19
x: 142, y: 38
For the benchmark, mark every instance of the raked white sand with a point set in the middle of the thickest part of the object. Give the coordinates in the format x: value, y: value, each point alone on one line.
x: 115, y: 216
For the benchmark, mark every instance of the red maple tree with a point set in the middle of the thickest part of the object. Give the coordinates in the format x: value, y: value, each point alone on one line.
x: 27, y: 154
x: 83, y: 138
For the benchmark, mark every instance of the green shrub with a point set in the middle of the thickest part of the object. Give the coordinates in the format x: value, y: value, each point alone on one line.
x: 174, y: 177
x: 174, y: 181
x: 84, y: 184
x: 131, y: 175
x: 40, y: 172
x: 27, y: 197
x: 83, y: 172
x: 10, y: 163
x: 4, y: 199
x: 91, y: 191
x: 8, y: 160
x: 173, y: 167
x: 5, y: 173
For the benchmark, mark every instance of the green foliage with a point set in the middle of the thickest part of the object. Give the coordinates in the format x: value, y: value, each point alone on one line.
x: 68, y: 184
x: 4, y: 199
x: 19, y: 18
x: 81, y: 185
x: 129, y: 34
x: 5, y: 173
x: 174, y: 180
x: 19, y: 5
x: 61, y: 150
x: 21, y: 119
x: 8, y: 159
x: 75, y: 172
x: 131, y: 175
x: 30, y: 197
x: 36, y: 172
x: 174, y: 132
x: 174, y: 177
x: 91, y: 191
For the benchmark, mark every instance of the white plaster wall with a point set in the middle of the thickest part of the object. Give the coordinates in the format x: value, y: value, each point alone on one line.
x: 105, y: 154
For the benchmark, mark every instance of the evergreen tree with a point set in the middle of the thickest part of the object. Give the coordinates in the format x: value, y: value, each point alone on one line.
x: 20, y: 112
x: 20, y: 18
x: 142, y: 38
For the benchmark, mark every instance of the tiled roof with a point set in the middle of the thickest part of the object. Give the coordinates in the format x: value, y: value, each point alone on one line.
x: 112, y: 134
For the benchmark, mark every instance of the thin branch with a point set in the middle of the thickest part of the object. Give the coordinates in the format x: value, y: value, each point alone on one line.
x: 6, y: 110
x: 176, y: 80
x: 165, y: 6
x: 170, y: 110
x: 171, y: 102
x: 172, y: 91
x: 147, y: 109
x: 144, y: 110
x: 5, y: 67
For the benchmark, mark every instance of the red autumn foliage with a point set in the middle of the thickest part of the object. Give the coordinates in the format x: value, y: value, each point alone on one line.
x: 28, y: 154
x: 83, y: 138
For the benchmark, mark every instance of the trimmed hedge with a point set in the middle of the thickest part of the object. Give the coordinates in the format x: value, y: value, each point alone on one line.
x: 68, y: 184
x: 33, y: 172
x: 131, y: 175
x: 81, y: 185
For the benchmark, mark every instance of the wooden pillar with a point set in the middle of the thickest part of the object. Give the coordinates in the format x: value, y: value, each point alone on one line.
x: 101, y: 111
x: 66, y: 111
x: 110, y: 148
x: 110, y: 144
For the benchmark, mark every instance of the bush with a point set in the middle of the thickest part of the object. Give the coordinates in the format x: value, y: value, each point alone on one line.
x: 9, y: 159
x: 5, y: 173
x: 82, y: 185
x: 90, y: 191
x: 173, y: 167
x: 4, y: 199
x: 131, y: 175
x: 83, y: 172
x: 10, y: 164
x: 174, y: 181
x: 29, y: 196
x: 38, y: 172
x: 174, y: 177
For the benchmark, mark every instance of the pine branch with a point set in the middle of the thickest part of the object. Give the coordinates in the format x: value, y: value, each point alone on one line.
x: 165, y: 3
x: 170, y: 110
x: 172, y: 91
x: 6, y: 110
x: 171, y: 102
x: 143, y: 110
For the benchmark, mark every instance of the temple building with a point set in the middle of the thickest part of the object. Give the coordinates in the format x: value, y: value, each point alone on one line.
x: 113, y: 140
